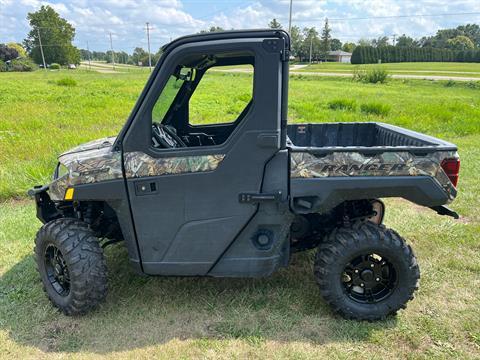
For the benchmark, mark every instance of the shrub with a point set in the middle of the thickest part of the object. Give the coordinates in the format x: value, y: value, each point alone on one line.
x: 373, y: 75
x: 375, y: 109
x: 7, y: 53
x: 3, y: 67
x: 376, y: 75
x: 473, y: 85
x: 358, y: 74
x: 343, y: 104
x: 24, y: 64
x: 55, y: 66
x: 450, y: 83
x: 66, y: 82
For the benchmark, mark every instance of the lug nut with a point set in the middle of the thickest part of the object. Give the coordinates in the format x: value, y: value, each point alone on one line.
x: 372, y: 265
x: 356, y: 271
x: 377, y: 279
x: 362, y: 284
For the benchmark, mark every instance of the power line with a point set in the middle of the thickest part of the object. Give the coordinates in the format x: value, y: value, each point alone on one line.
x: 290, y: 18
x: 88, y: 52
x: 41, y: 49
x: 399, y: 16
x: 149, y: 52
x: 113, y: 54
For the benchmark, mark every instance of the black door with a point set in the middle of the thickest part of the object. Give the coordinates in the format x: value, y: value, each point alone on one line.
x: 185, y: 200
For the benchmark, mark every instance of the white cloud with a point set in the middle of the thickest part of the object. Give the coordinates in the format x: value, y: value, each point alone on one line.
x: 94, y: 19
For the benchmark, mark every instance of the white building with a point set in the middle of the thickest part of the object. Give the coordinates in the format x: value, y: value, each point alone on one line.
x: 340, y: 56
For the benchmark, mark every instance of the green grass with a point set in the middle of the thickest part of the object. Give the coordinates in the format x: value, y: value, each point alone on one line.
x: 375, y: 108
x: 342, y: 104
x: 278, y: 317
x: 471, y: 70
x: 40, y: 119
x: 438, y: 67
x: 67, y: 81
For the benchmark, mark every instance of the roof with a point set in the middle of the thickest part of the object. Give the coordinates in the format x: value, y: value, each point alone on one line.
x: 339, y: 52
x: 230, y: 34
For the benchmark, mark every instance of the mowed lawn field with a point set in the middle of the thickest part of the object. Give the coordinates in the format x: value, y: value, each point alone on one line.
x: 277, y: 317
x: 416, y: 68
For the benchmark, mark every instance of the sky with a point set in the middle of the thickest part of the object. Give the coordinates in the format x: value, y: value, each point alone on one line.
x: 126, y: 19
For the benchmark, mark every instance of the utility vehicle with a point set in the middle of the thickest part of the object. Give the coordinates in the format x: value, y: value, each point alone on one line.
x: 235, y: 198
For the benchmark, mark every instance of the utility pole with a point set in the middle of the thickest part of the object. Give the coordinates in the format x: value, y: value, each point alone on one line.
x: 111, y: 48
x: 41, y: 48
x: 394, y: 39
x: 311, y: 46
x: 149, y: 53
x: 88, y: 50
x: 290, y: 18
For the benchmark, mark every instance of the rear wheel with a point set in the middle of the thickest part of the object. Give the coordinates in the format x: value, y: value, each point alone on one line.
x: 366, y: 271
x: 71, y: 265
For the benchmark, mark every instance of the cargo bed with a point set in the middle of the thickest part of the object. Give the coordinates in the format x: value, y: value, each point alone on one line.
x: 364, y: 137
x: 334, y: 162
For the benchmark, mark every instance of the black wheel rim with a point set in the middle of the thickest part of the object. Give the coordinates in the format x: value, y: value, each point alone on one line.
x: 369, y: 278
x: 57, y: 270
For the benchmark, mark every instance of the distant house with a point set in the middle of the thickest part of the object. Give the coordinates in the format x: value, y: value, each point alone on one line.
x: 339, y: 56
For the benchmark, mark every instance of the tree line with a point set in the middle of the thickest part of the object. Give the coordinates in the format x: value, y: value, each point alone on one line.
x: 395, y: 54
x: 308, y: 44
x: 139, y: 56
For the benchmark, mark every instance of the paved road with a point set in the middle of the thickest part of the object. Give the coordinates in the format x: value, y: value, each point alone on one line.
x: 107, y: 68
x: 395, y: 76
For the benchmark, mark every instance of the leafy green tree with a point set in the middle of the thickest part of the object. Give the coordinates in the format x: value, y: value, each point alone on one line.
x: 274, y: 24
x: 99, y: 56
x: 325, y: 41
x: 85, y: 55
x: 212, y: 29
x: 156, y: 56
x: 472, y: 31
x: 296, y: 38
x: 364, y: 42
x: 121, y: 57
x: 140, y: 56
x: 381, y: 41
x: 405, y: 41
x: 335, y: 44
x: 460, y: 42
x: 311, y: 41
x: 21, y: 51
x: 357, y: 55
x: 349, y: 47
x: 56, y: 34
x: 7, y: 53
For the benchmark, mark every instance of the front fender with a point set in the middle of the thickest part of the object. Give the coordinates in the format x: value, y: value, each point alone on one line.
x: 46, y: 210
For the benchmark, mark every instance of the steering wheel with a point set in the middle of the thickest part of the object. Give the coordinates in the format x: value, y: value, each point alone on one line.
x: 166, y: 137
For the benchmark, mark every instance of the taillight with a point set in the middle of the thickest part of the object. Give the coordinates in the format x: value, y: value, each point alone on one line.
x: 451, y: 168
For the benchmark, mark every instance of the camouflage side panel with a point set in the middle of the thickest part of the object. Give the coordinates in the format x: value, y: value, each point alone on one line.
x: 138, y: 164
x: 84, y: 167
x: 92, y: 145
x: 307, y: 165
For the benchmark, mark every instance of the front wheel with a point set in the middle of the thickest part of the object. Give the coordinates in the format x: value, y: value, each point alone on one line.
x: 71, y: 265
x: 366, y: 272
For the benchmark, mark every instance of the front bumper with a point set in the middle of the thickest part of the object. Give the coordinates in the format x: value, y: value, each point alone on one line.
x: 46, y: 209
